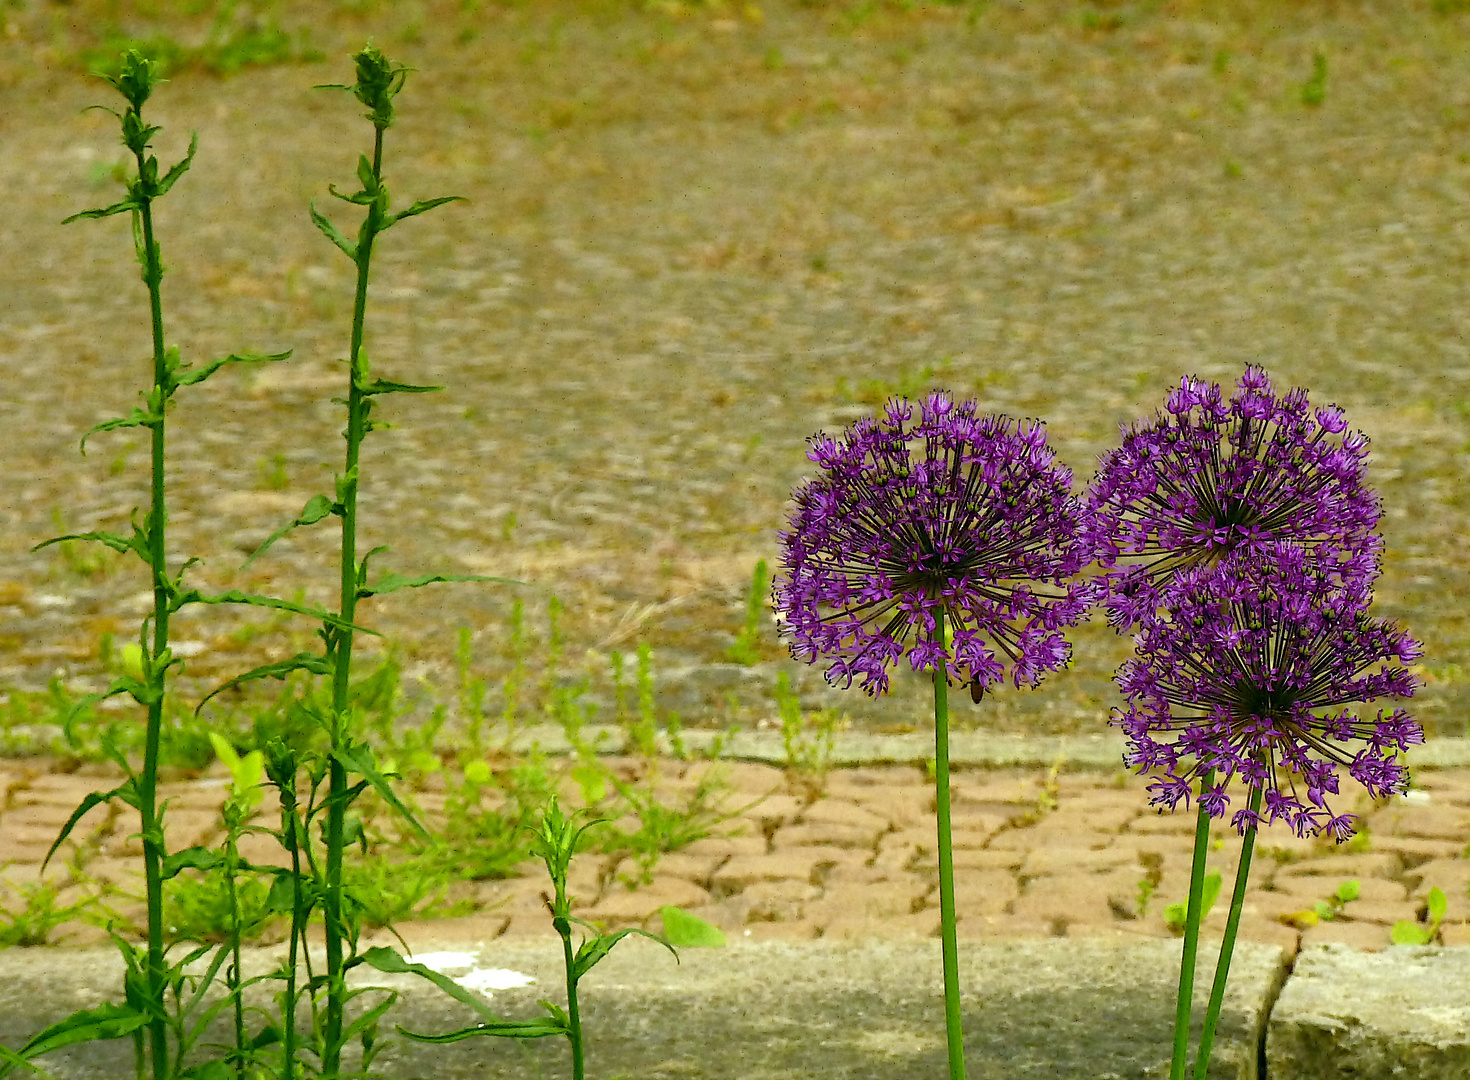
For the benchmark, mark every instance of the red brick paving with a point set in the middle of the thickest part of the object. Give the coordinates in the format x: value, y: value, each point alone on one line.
x: 860, y: 860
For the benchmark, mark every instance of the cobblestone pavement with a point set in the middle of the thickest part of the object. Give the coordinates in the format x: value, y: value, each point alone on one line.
x: 1036, y: 854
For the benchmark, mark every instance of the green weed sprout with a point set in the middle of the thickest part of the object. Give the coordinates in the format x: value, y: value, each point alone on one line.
x: 1176, y: 915
x: 558, y: 838
x: 1410, y: 932
x: 746, y: 647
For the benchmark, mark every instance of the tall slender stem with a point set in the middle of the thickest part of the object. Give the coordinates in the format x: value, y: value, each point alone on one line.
x: 1185, y: 1001
x: 574, y: 1034
x: 1227, y: 946
x: 152, y: 825
x: 949, y: 944
x: 342, y: 635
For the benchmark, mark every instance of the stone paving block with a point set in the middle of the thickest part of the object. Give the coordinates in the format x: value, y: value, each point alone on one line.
x: 876, y: 900
x: 679, y: 864
x: 1434, y: 821
x: 183, y: 828
x: 1062, y: 860
x: 1346, y: 1013
x: 1382, y: 864
x: 777, y: 901
x: 841, y: 812
x: 909, y: 927
x: 1002, y: 928
x: 1320, y: 887
x: 621, y: 906
x: 825, y: 833
x: 775, y: 810
x: 1382, y: 912
x: 744, y: 870
x: 1450, y: 875
x: 727, y: 846
x: 1063, y: 900
x: 900, y: 807
x: 1152, y: 823
x: 981, y: 892
x: 1414, y: 850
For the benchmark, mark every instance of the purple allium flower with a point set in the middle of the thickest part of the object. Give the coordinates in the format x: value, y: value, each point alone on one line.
x: 1208, y: 477
x: 956, y: 513
x: 1245, y: 671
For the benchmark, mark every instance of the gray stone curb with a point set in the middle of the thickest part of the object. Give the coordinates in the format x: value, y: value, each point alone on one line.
x: 967, y: 748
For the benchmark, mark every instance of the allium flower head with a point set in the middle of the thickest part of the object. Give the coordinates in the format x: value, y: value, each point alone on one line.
x: 956, y: 513
x: 1246, y: 670
x: 1207, y: 477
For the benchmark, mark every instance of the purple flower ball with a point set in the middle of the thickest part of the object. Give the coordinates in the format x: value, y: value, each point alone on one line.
x: 1246, y: 671
x: 1208, y: 477
x: 957, y: 513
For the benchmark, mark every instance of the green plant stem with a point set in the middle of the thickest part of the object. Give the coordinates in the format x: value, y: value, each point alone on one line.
x: 1227, y: 946
x: 298, y: 928
x: 232, y: 977
x: 342, y: 638
x: 950, y: 946
x: 1185, y: 1001
x: 147, y: 783
x: 574, y: 1019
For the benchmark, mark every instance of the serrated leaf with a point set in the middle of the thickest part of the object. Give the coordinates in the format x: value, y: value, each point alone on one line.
x: 193, y: 858
x: 332, y: 233
x: 422, y: 206
x: 387, y: 960
x: 137, y: 418
x: 594, y: 949
x: 302, y: 661
x: 93, y: 798
x: 503, y: 1029
x: 316, y: 508
x: 391, y: 582
x: 386, y: 386
x: 358, y: 758
x: 235, y: 596
x: 120, y: 544
x: 180, y: 168
x: 689, y: 931
x: 89, y: 1025
x: 190, y: 376
x: 123, y: 207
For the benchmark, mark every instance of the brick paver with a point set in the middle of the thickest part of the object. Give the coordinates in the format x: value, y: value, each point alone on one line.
x: 1080, y: 855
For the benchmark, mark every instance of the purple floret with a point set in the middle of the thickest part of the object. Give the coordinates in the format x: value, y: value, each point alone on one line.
x: 957, y: 512
x: 1247, y: 669
x: 1207, y: 477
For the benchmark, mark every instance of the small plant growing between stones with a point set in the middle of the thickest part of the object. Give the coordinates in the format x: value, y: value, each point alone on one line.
x: 1412, y: 932
x: 1324, y: 910
x: 746, y: 647
x: 807, y: 738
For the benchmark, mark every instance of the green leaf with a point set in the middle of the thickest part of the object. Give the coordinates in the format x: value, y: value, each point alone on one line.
x: 189, y: 376
x: 386, y: 960
x: 358, y: 758
x: 504, y: 1029
x: 1408, y: 932
x: 126, y: 684
x: 115, y: 541
x: 332, y: 233
x: 1438, y: 905
x: 235, y: 596
x: 392, y: 582
x: 689, y: 931
x: 302, y: 661
x: 130, y: 203
x: 385, y: 386
x: 93, y: 798
x: 1211, y: 893
x: 316, y: 508
x: 371, y: 1017
x: 209, y: 1070
x: 420, y: 207
x: 180, y: 169
x: 104, y: 1022
x: 1348, y: 891
x: 596, y: 948
x: 194, y: 858
x: 137, y: 418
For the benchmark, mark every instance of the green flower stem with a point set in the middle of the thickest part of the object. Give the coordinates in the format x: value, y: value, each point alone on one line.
x: 949, y: 944
x: 232, y: 976
x: 150, y: 819
x: 574, y: 1019
x: 342, y: 637
x: 1185, y: 1001
x: 1227, y: 946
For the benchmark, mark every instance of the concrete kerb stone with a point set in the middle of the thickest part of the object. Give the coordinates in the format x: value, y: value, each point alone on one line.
x: 772, y: 1010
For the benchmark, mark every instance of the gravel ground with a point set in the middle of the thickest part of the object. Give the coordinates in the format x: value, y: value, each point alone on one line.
x: 695, y: 237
